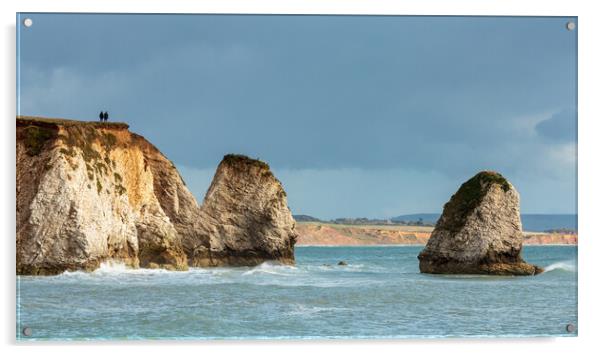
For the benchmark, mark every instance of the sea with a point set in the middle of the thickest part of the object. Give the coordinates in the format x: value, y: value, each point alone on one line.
x: 379, y: 294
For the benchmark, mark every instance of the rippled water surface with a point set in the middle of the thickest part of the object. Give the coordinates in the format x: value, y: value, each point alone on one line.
x: 379, y: 294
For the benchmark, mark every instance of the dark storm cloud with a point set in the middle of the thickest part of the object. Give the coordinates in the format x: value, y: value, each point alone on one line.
x: 434, y: 94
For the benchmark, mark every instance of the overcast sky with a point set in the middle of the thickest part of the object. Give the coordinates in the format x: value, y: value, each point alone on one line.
x: 357, y: 116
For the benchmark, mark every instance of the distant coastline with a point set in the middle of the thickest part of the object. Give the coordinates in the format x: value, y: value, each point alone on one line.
x: 314, y: 233
x: 544, y: 223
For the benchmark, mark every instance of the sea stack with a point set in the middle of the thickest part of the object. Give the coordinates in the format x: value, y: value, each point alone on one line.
x: 479, y: 231
x: 244, y: 216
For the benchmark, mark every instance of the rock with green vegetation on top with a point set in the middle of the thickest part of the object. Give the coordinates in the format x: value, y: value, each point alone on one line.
x: 479, y: 231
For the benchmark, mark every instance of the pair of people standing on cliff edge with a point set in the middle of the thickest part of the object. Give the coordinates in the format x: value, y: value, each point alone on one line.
x: 104, y: 116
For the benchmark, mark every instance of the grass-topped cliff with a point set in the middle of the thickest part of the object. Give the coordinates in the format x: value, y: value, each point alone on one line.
x: 91, y: 191
x: 94, y: 141
x: 37, y: 131
x: 53, y: 122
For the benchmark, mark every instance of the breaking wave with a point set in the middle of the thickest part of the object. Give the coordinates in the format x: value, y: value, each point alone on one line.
x: 566, y: 266
x: 272, y: 268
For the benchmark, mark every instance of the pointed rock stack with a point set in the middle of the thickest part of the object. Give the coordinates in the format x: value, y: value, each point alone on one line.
x: 479, y: 232
x: 244, y: 217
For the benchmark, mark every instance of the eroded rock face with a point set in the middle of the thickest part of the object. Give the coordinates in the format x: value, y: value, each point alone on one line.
x: 479, y: 231
x: 87, y: 192
x: 244, y: 217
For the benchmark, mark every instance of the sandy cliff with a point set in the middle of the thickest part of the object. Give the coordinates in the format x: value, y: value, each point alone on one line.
x: 316, y: 233
x: 328, y: 234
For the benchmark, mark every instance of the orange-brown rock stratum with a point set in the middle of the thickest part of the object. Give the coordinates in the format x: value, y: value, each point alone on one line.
x: 92, y: 191
x: 327, y: 234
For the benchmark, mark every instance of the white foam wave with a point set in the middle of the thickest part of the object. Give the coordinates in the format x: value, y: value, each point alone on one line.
x: 305, y: 310
x: 566, y: 266
x: 272, y: 268
x: 112, y: 267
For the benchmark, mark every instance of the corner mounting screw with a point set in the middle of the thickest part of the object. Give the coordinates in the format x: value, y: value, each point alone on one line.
x: 27, y: 331
x: 570, y: 328
x: 570, y: 25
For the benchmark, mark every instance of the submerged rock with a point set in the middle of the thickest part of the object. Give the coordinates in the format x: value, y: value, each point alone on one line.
x: 342, y: 263
x: 479, y: 231
x: 244, y: 217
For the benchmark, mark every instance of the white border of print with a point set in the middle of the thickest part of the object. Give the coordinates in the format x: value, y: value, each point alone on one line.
x: 590, y: 241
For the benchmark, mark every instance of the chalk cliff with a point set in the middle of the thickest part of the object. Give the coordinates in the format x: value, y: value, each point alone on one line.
x: 90, y: 191
x: 479, y: 231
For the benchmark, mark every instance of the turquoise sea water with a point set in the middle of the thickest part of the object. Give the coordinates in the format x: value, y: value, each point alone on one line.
x: 380, y: 294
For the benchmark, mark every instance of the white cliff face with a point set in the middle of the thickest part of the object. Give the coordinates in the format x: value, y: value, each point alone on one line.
x: 90, y: 192
x: 479, y: 231
x: 92, y: 199
x: 72, y: 221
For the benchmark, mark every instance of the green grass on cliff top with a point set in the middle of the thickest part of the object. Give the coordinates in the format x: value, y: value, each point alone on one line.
x: 31, y: 120
x: 236, y: 159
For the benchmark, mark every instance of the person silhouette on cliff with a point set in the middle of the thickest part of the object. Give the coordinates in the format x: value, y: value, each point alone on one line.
x: 105, y: 116
x: 101, y: 116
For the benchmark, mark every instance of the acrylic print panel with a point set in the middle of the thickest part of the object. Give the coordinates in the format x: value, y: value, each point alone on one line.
x: 251, y: 176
